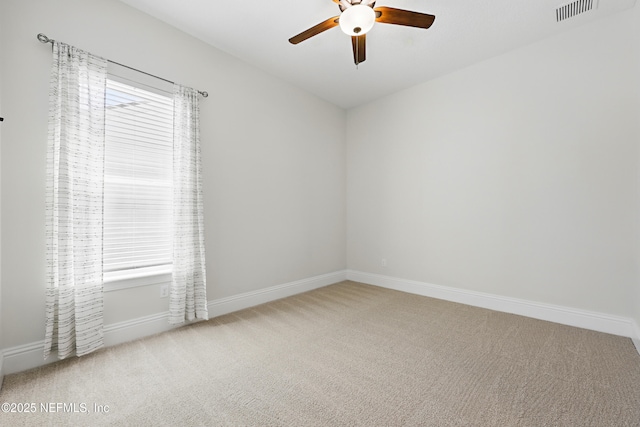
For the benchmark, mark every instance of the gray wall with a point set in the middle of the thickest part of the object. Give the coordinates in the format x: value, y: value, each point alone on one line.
x: 273, y: 159
x: 517, y: 176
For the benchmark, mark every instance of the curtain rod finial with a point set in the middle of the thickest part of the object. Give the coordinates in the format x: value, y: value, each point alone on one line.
x: 44, y: 39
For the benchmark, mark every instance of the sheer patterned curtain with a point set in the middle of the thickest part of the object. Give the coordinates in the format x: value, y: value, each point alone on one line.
x: 74, y: 202
x: 188, y: 296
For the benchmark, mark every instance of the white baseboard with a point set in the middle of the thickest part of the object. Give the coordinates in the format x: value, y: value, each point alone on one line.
x: 27, y: 356
x: 23, y: 357
x: 129, y: 330
x: 554, y: 313
x: 249, y: 299
x: 1, y: 368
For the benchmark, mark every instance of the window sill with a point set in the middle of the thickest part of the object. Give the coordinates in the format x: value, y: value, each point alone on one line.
x: 134, y: 282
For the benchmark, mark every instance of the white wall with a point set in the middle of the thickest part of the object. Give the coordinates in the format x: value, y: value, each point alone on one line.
x: 273, y: 159
x: 1, y: 115
x: 516, y: 176
x: 636, y: 46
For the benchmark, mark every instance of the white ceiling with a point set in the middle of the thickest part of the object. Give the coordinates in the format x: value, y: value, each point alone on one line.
x: 464, y: 33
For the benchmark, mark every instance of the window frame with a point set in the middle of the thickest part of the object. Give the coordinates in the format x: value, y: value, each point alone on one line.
x: 138, y: 276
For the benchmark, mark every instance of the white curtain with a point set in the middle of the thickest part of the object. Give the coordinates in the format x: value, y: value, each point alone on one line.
x: 188, y: 297
x: 74, y: 202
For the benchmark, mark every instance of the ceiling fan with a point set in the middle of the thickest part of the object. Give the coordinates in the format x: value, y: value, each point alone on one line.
x: 357, y: 18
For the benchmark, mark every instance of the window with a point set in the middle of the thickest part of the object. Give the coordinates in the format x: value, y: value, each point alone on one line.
x: 138, y: 181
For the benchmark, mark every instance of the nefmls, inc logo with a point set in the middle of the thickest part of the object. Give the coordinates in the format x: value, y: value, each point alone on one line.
x: 67, y: 408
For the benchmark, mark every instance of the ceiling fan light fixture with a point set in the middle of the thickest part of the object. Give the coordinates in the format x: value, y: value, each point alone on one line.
x: 357, y: 20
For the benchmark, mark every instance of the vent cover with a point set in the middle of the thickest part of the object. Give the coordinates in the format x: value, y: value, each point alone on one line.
x: 574, y: 8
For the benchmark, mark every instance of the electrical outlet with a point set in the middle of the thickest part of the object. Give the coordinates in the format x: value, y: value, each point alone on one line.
x: 383, y: 262
x: 164, y: 291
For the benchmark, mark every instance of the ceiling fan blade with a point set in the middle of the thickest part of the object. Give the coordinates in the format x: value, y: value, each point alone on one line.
x: 342, y: 3
x: 390, y: 15
x: 359, y: 45
x: 315, y: 30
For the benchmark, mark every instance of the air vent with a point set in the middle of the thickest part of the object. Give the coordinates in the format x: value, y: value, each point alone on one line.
x: 574, y: 8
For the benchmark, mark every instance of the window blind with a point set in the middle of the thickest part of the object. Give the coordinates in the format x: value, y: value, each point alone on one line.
x: 138, y: 182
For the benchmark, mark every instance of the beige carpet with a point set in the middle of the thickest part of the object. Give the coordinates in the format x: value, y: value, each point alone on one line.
x: 346, y: 355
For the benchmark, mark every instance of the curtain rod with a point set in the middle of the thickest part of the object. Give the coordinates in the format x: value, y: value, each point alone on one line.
x: 44, y: 39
